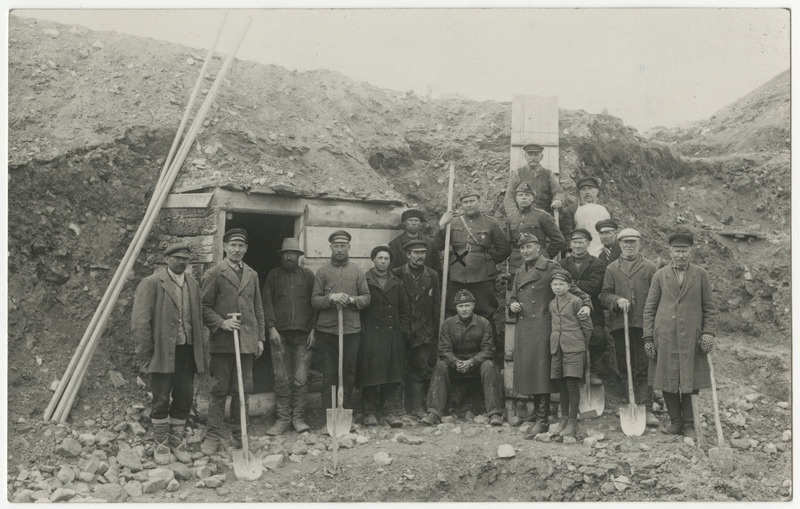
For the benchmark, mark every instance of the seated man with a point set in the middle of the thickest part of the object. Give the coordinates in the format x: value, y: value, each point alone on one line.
x: 466, y: 349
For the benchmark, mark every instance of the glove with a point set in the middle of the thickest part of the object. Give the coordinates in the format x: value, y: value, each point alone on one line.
x: 705, y: 343
x: 650, y: 348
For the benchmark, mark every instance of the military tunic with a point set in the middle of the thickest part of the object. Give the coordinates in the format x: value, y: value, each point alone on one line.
x: 539, y: 223
x: 476, y: 248
x: 545, y: 185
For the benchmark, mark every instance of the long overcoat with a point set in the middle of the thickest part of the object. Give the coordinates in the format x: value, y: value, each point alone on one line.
x: 154, y: 323
x: 424, y: 300
x: 675, y: 316
x: 381, y: 354
x: 532, y: 332
x: 223, y: 293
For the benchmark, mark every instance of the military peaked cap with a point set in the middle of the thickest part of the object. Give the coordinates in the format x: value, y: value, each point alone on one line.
x: 235, y: 234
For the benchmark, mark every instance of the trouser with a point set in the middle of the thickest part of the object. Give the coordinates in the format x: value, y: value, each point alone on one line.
x: 485, y: 305
x: 418, y: 372
x: 329, y: 347
x: 639, y: 363
x: 384, y: 398
x: 570, y: 396
x: 597, y: 346
x: 679, y: 407
x: 290, y: 362
x: 178, y: 385
x: 490, y: 379
x: 224, y: 381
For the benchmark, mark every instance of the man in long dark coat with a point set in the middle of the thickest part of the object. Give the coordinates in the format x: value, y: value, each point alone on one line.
x: 167, y: 326
x: 423, y: 291
x: 529, y: 304
x: 678, y: 319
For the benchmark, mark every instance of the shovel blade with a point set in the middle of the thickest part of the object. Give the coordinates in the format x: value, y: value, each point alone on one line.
x: 633, y: 420
x: 330, y: 421
x: 246, y: 466
x: 721, y: 458
x: 593, y: 400
x: 344, y: 421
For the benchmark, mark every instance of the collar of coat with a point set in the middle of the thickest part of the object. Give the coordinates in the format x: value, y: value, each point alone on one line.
x: 227, y: 271
x: 171, y: 289
x: 464, y: 324
x: 526, y: 275
x: 391, y: 280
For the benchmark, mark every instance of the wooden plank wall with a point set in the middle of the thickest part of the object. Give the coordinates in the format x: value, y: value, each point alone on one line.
x: 534, y: 119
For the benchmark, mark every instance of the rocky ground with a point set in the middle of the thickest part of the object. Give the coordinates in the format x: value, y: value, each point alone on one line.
x: 91, y: 117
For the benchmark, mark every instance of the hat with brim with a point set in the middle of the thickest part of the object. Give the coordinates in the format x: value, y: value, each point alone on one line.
x: 605, y: 225
x: 629, y: 234
x: 527, y: 238
x: 681, y: 239
x: 378, y: 249
x: 524, y: 187
x: 235, y: 234
x: 589, y: 181
x: 291, y: 244
x: 463, y: 296
x: 180, y: 249
x: 339, y: 236
x: 411, y: 213
x: 534, y: 148
x: 415, y: 245
x: 580, y: 232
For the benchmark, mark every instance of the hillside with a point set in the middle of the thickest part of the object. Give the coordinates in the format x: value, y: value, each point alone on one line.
x: 92, y: 116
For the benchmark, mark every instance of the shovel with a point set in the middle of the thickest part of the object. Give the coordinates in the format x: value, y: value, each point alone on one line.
x: 245, y: 465
x: 721, y: 456
x: 593, y: 399
x: 338, y: 419
x: 632, y: 417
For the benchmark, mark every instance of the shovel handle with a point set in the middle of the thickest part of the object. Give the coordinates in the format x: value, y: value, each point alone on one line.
x: 340, y: 317
x: 628, y: 359
x: 242, y: 405
x: 720, y: 440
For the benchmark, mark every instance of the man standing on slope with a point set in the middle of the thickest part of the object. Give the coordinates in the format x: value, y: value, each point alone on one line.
x: 544, y: 182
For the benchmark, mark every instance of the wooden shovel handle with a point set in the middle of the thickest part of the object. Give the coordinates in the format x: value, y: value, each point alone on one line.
x: 631, y: 399
x: 720, y: 440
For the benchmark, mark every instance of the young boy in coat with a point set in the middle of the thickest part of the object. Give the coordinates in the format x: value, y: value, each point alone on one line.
x: 568, y: 342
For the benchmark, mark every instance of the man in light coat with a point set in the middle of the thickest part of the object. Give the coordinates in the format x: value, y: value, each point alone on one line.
x: 625, y: 287
x: 678, y: 330
x: 167, y: 326
x: 231, y: 287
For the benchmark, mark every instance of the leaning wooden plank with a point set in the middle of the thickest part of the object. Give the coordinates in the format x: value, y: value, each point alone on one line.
x: 70, y: 392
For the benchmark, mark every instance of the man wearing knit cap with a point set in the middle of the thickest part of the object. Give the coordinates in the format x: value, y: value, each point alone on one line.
x: 167, y: 326
x: 607, y: 231
x: 422, y: 287
x: 231, y: 287
x: 477, y: 245
x: 587, y: 273
x: 466, y: 349
x: 290, y: 327
x: 587, y: 213
x: 413, y: 220
x: 547, y: 189
x: 527, y: 218
x: 625, y: 287
x: 339, y: 284
x: 678, y: 330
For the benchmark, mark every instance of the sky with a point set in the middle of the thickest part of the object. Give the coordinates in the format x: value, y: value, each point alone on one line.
x: 649, y: 67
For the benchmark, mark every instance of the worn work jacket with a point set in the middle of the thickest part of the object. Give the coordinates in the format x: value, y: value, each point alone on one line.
x: 424, y: 297
x: 399, y: 257
x: 287, y: 299
x: 632, y: 283
x: 474, y: 252
x: 568, y: 331
x: 590, y: 280
x: 544, y: 182
x: 459, y: 341
x: 335, y: 277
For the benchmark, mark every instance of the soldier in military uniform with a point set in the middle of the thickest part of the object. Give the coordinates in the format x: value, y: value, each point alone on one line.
x: 527, y: 218
x: 545, y: 184
x: 412, y: 220
x: 477, y: 245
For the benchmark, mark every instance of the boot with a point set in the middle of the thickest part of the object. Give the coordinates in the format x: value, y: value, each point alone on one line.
x: 299, y: 409
x: 279, y: 428
x: 161, y: 453
x: 417, y: 396
x: 541, y: 411
x: 430, y: 420
x: 283, y: 412
x: 177, y: 442
x: 393, y: 421
x: 688, y: 416
x: 673, y: 402
x: 370, y: 420
x: 209, y: 446
x: 570, y: 429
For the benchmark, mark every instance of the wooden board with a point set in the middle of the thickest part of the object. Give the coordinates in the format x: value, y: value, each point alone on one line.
x: 317, y: 245
x: 188, y: 201
x: 353, y: 215
x: 534, y: 119
x: 742, y: 235
x: 315, y: 263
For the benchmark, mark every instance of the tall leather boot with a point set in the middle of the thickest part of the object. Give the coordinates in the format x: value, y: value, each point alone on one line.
x: 299, y: 400
x: 177, y: 442
x: 688, y: 416
x: 675, y: 411
x: 161, y: 453
x: 283, y: 414
x: 541, y: 411
x: 416, y: 391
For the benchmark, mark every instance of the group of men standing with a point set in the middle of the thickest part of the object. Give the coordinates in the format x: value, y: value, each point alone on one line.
x: 389, y: 316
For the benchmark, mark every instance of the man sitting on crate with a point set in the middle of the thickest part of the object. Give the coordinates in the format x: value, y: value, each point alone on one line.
x: 167, y: 325
x: 466, y: 350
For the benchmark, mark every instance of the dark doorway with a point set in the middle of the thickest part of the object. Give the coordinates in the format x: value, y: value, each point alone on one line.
x: 265, y: 233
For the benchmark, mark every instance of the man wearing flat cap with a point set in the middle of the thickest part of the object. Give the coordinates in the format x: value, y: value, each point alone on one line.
x: 587, y: 273
x: 290, y: 326
x: 167, y: 326
x: 529, y: 305
x: 339, y: 284
x: 477, y: 245
x: 625, y: 287
x: 547, y: 189
x: 678, y: 330
x: 423, y: 291
x: 528, y: 218
x: 466, y: 350
x: 413, y: 220
x: 586, y: 213
x: 231, y: 287
x: 607, y: 231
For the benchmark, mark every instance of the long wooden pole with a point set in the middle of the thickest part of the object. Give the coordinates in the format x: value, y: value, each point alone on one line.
x: 80, y: 351
x: 65, y: 404
x: 446, y: 259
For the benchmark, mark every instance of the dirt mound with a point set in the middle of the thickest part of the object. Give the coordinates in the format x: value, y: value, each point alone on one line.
x: 92, y: 115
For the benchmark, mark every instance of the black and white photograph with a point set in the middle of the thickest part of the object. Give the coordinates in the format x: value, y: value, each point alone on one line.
x: 352, y: 253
